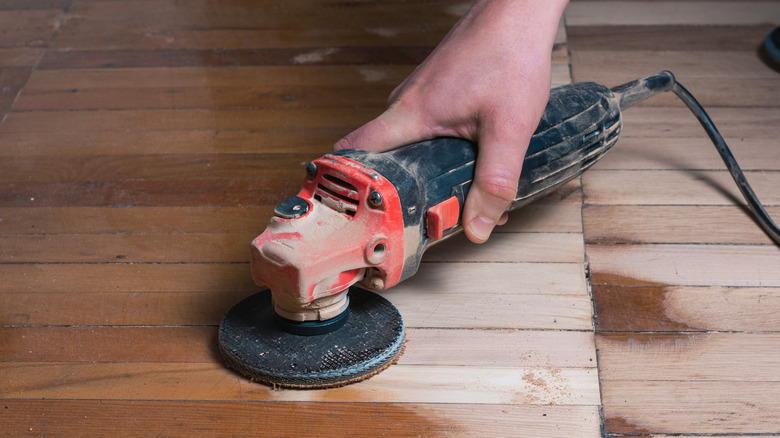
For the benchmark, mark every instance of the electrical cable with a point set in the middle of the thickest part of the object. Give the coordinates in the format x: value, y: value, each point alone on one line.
x: 754, y: 204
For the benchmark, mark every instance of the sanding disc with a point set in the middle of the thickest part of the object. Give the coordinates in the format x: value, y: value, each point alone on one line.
x: 252, y: 343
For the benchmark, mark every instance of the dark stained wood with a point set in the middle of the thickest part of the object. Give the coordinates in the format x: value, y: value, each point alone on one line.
x: 153, y: 167
x: 133, y: 193
x: 28, y: 28
x: 234, y: 57
x: 126, y: 277
x: 137, y: 308
x: 272, y: 140
x: 139, y: 220
x: 222, y: 97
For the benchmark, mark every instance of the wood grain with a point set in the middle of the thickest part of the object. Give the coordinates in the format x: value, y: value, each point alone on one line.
x: 104, y: 417
x: 664, y: 188
x: 690, y: 13
x: 673, y: 224
x: 683, y: 279
x: 684, y: 309
x: 685, y: 265
x: 149, y: 141
x: 203, y: 381
x: 691, y: 407
x: 691, y: 153
x: 449, y: 347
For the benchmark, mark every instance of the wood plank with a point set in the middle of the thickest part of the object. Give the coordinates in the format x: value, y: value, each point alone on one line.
x: 673, y: 224
x: 318, y: 141
x: 418, y: 309
x: 139, y: 220
x: 159, y: 167
x: 319, y: 55
x: 254, y: 96
x: 188, y: 418
x: 690, y: 407
x: 162, y: 248
x: 162, y: 166
x: 685, y: 265
x: 690, y: 13
x: 33, y: 4
x: 169, y: 24
x: 149, y: 193
x: 640, y: 187
x: 452, y: 347
x: 720, y: 38
x: 164, y: 120
x: 721, y: 357
x: 540, y: 218
x: 677, y: 309
x: 736, y: 65
x: 126, y: 277
x: 28, y: 28
x: 662, y: 122
x: 536, y: 218
x: 117, y: 308
x: 729, y: 79
x: 511, y: 247
x: 19, y: 56
x: 399, y: 384
x: 646, y: 153
x: 204, y: 77
x: 494, y: 311
x: 495, y: 278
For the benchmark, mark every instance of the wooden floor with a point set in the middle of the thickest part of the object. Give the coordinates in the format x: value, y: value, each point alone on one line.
x: 144, y: 143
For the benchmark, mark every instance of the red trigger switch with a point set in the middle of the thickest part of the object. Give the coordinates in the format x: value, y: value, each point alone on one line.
x: 442, y: 216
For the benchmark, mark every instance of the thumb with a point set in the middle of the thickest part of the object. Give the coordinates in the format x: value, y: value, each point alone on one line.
x: 499, y: 162
x: 393, y: 128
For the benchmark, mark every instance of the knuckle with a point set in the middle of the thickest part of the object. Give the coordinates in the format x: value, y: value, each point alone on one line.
x: 501, y: 186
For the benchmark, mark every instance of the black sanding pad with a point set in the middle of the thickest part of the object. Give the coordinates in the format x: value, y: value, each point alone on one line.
x: 253, y: 344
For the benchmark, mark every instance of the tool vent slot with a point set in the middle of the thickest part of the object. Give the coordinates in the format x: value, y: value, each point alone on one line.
x: 337, y: 194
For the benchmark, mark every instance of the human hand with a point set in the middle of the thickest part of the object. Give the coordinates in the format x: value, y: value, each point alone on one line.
x: 488, y: 82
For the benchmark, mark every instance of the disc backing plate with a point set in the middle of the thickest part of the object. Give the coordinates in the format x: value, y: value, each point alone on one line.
x: 252, y: 343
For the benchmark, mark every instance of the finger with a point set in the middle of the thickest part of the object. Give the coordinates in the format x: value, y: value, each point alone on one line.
x: 499, y: 162
x: 394, y: 128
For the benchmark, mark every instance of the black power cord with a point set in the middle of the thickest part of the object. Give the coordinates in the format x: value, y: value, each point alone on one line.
x: 636, y: 91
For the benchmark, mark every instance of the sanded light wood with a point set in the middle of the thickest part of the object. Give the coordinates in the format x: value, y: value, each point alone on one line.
x: 694, y: 356
x: 644, y: 153
x: 664, y: 188
x: 675, y: 122
x: 673, y: 224
x: 686, y: 265
x: 692, y: 407
x: 511, y: 247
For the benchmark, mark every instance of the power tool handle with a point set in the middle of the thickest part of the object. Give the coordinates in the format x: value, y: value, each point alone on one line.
x: 580, y: 123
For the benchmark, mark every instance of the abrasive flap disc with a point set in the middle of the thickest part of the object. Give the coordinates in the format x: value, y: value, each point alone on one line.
x: 253, y: 344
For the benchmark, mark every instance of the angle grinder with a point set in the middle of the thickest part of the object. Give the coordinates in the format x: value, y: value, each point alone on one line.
x: 362, y: 221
